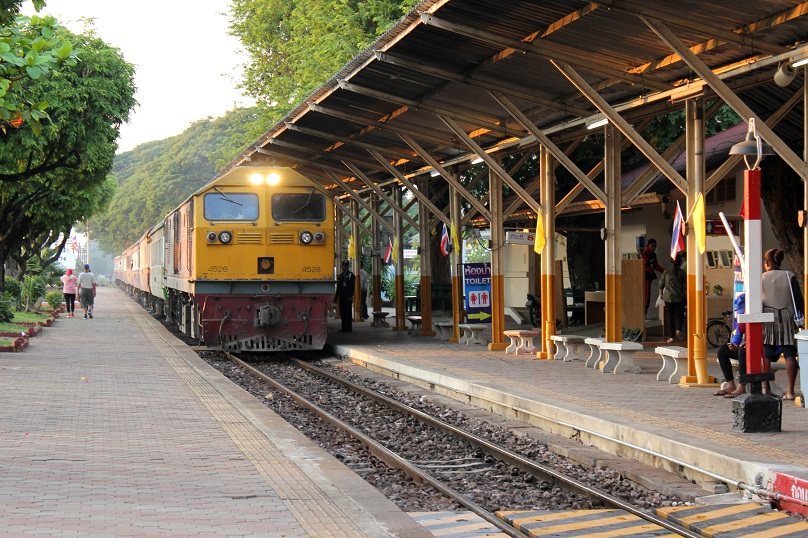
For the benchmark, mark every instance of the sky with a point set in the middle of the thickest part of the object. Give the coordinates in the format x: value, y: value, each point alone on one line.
x: 184, y: 59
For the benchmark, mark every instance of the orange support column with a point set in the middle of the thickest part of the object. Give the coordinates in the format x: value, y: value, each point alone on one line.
x: 547, y: 312
x: 613, y: 326
x: 547, y: 264
x: 613, y: 330
x: 426, y: 263
x: 399, y: 293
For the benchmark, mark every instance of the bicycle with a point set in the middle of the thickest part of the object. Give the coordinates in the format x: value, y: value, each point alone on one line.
x: 719, y: 330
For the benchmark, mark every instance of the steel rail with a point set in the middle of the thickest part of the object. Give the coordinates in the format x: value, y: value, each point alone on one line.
x: 385, y: 455
x: 506, y: 455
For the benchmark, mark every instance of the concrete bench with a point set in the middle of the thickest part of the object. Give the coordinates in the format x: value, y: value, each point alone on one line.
x: 472, y: 334
x: 443, y: 329
x: 774, y: 388
x: 416, y: 324
x: 621, y: 357
x: 594, y: 351
x: 674, y: 363
x: 378, y: 319
x: 569, y: 347
x: 521, y: 342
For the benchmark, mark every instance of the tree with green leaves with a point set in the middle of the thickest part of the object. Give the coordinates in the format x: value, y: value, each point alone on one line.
x: 296, y: 45
x: 30, y: 48
x: 58, y: 176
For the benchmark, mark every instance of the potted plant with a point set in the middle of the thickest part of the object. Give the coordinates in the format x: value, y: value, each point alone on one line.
x: 718, y: 289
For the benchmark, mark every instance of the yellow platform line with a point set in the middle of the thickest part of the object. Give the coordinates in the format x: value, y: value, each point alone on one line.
x: 313, y: 510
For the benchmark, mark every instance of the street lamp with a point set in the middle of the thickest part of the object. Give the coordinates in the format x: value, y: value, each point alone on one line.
x: 754, y: 412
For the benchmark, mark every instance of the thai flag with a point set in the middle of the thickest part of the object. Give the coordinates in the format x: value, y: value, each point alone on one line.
x: 445, y: 241
x: 388, y: 254
x: 677, y: 239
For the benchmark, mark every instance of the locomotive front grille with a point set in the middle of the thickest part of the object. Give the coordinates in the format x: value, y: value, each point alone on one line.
x: 266, y: 343
x: 282, y: 238
x: 249, y: 238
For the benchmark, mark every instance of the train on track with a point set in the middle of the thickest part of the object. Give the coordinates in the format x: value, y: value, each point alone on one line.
x: 246, y: 263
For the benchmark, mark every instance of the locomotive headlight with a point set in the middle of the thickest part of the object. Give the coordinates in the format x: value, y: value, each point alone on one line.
x: 256, y: 179
x: 319, y: 238
x: 212, y: 237
x: 306, y: 238
x: 225, y: 237
x: 273, y: 179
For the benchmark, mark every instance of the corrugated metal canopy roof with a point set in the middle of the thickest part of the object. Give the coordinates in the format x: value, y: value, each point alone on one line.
x: 446, y: 58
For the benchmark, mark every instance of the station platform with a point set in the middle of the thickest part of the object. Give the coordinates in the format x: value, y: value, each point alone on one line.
x: 668, y: 426
x: 113, y: 427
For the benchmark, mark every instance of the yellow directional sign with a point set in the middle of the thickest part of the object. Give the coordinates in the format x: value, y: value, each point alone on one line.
x: 482, y: 316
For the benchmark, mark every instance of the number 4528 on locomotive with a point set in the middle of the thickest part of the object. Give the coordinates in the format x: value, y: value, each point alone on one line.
x: 245, y: 264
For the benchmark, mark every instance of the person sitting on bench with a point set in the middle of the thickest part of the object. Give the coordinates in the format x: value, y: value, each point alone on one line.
x: 729, y: 351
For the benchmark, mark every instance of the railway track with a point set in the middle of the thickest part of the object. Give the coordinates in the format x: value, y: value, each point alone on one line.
x: 489, y: 459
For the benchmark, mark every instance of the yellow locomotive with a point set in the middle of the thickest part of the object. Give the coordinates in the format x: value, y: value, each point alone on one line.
x: 245, y: 264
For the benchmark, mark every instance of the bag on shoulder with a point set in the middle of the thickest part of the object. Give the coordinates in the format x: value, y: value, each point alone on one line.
x: 799, y: 317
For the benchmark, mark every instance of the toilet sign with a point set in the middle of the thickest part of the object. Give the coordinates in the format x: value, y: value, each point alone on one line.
x: 477, y: 289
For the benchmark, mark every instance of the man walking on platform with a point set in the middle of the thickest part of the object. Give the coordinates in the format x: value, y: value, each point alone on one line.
x: 87, y: 285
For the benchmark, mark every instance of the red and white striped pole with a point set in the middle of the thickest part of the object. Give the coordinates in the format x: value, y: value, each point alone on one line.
x: 755, y: 363
x: 757, y: 368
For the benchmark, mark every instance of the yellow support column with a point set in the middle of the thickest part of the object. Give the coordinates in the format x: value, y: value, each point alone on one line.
x: 696, y: 296
x: 457, y: 263
x: 398, y: 263
x: 548, y: 276
x: 497, y: 274
x: 356, y: 262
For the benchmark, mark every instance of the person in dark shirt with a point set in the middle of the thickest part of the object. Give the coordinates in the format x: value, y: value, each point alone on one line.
x: 346, y: 282
x: 651, y: 267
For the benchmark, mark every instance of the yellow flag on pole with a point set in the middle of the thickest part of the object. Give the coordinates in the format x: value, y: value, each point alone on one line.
x: 455, y: 240
x: 699, y: 223
x: 395, y: 249
x: 540, y: 239
x: 351, y: 249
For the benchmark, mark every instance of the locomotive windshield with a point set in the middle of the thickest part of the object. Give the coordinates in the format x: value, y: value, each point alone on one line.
x: 297, y: 206
x: 231, y: 206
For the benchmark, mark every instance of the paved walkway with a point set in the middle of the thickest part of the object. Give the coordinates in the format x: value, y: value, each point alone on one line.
x: 113, y: 427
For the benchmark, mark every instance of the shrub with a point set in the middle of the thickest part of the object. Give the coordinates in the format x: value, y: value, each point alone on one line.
x: 7, y: 306
x: 14, y: 289
x: 32, y: 289
x: 54, y: 299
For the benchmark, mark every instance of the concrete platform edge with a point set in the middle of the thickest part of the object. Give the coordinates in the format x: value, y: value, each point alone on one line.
x: 526, y: 408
